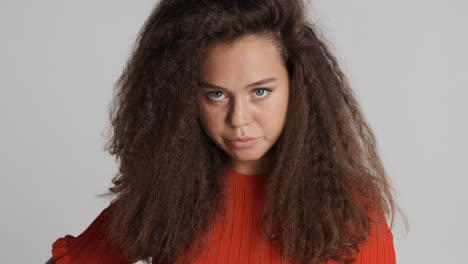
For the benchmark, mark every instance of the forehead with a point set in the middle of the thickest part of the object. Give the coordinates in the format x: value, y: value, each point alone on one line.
x: 250, y: 58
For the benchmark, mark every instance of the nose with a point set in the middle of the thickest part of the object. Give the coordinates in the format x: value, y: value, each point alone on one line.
x: 239, y: 114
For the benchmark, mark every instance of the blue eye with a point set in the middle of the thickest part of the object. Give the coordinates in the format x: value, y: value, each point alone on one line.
x: 259, y: 91
x: 262, y: 92
x: 216, y: 92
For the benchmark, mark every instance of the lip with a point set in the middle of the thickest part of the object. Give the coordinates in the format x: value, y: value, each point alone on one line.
x: 245, y: 142
x: 242, y: 139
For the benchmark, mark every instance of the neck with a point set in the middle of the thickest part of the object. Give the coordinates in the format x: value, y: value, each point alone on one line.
x: 249, y: 167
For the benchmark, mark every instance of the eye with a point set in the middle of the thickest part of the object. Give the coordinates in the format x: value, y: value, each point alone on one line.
x: 260, y: 92
x: 212, y: 93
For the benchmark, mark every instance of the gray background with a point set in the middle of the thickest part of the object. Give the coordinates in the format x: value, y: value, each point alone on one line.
x: 59, y: 61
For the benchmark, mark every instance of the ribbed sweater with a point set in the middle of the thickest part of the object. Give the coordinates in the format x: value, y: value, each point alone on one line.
x: 236, y: 235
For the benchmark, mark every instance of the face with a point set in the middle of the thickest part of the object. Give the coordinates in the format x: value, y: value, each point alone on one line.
x: 244, y: 94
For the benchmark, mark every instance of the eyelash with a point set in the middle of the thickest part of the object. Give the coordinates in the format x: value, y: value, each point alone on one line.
x: 265, y: 89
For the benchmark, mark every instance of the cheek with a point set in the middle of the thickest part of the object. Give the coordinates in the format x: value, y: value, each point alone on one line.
x: 274, y: 115
x: 203, y: 116
x: 211, y: 120
x: 278, y: 104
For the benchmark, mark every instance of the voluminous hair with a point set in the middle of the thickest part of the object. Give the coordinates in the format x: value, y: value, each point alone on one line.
x: 326, y: 183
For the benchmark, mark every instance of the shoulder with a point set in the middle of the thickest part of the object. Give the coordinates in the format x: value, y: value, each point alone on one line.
x: 378, y: 248
x: 91, y: 246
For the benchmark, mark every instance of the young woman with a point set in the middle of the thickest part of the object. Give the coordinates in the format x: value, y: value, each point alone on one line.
x: 239, y: 141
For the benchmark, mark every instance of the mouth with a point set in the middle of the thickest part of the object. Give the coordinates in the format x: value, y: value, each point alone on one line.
x: 243, y: 143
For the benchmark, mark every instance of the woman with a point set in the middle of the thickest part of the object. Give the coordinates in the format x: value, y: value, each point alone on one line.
x: 239, y: 140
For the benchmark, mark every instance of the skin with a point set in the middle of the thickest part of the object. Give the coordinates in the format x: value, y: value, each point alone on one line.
x: 235, y: 109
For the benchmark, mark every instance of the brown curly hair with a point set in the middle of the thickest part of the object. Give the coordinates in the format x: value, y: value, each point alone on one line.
x: 326, y: 179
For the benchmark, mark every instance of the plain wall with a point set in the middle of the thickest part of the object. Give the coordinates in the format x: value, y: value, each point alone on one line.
x: 59, y: 61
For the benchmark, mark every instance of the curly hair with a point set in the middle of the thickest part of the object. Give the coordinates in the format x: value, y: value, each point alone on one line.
x: 326, y: 183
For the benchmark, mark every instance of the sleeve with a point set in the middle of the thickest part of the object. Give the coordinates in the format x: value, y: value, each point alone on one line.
x: 378, y: 248
x: 89, y: 247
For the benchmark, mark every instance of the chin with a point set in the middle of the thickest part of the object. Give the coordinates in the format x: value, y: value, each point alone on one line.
x: 245, y: 154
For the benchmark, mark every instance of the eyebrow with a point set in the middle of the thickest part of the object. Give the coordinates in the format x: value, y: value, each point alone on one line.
x: 260, y: 82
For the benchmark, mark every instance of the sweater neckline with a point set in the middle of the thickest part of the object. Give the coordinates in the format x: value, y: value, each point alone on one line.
x: 250, y: 179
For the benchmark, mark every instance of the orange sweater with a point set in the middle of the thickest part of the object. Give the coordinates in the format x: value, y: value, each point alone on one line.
x: 236, y: 236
